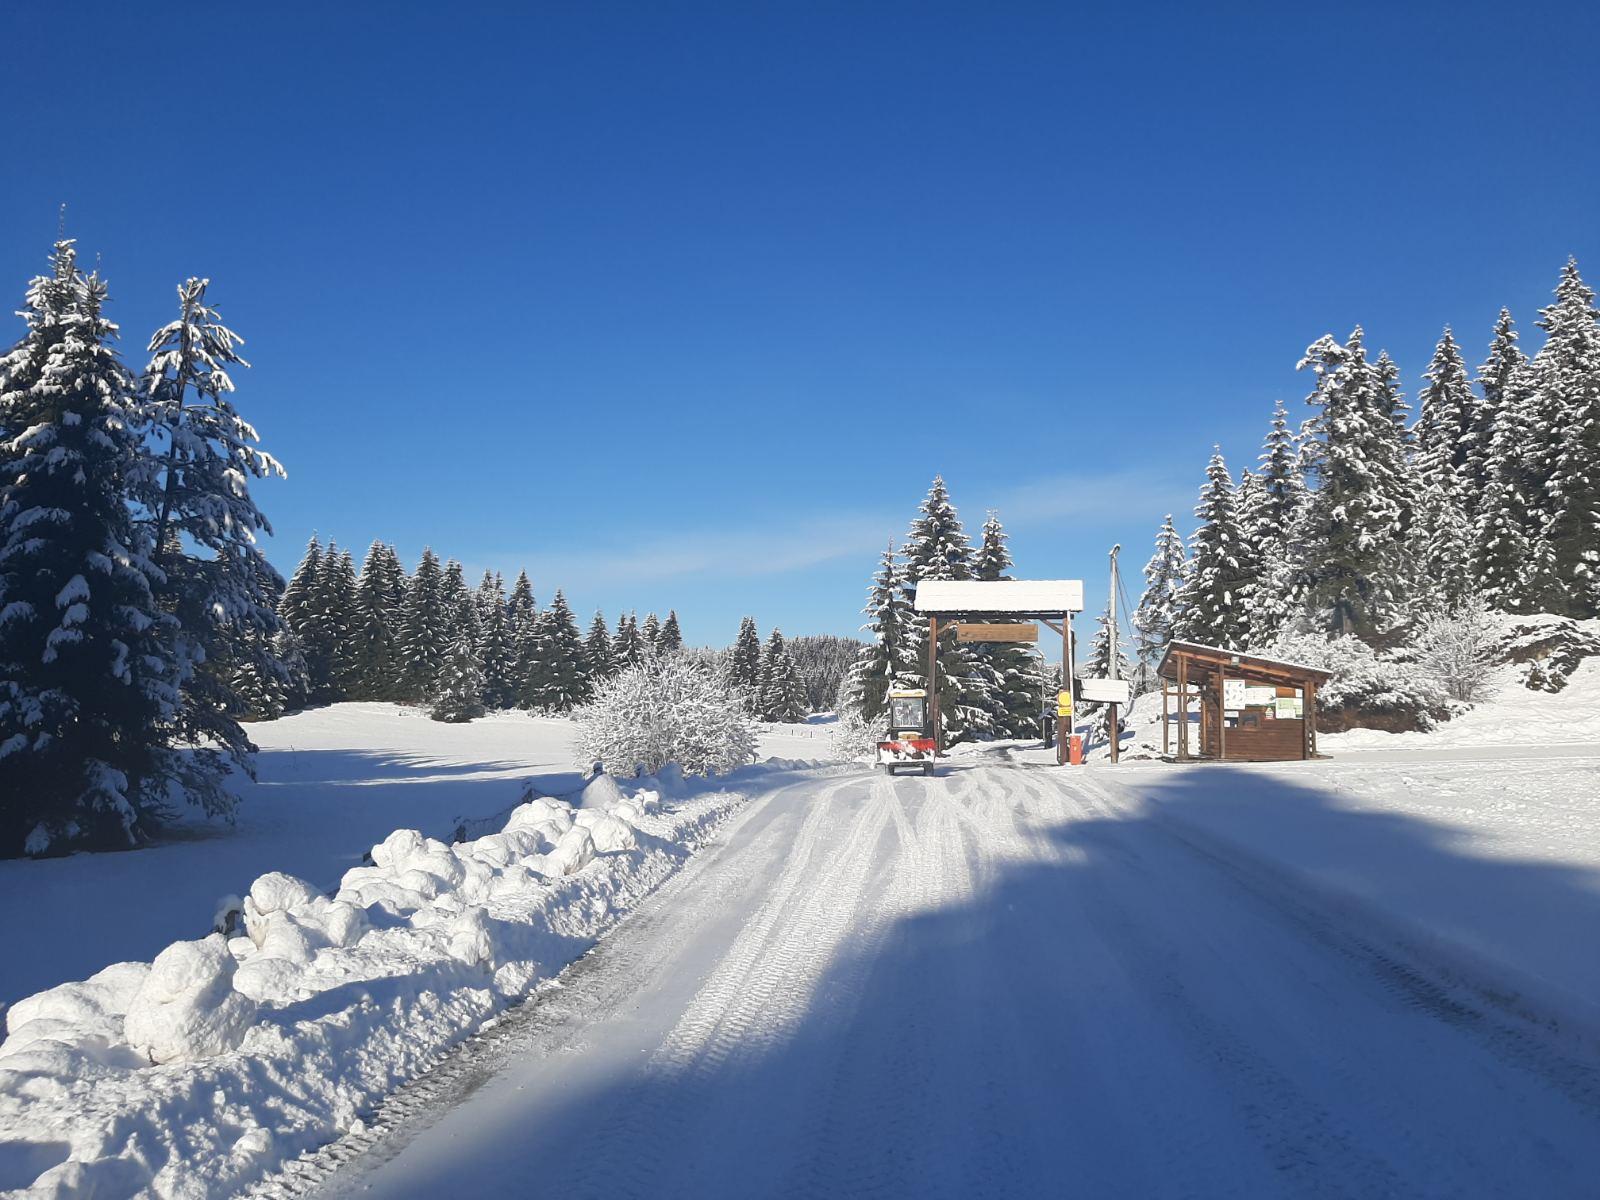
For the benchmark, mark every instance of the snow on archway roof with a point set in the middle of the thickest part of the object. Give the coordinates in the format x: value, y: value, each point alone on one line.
x: 1013, y: 597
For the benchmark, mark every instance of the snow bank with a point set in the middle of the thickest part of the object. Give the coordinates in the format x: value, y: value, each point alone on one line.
x: 225, y: 1057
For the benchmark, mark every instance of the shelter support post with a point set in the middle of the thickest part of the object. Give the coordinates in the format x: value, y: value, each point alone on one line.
x: 1222, y: 715
x: 933, y: 683
x: 1166, y: 721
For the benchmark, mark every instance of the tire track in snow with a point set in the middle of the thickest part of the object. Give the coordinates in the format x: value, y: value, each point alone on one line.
x: 754, y: 997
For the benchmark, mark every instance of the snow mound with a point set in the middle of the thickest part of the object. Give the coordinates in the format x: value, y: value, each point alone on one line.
x: 274, y: 1041
x: 187, y: 1006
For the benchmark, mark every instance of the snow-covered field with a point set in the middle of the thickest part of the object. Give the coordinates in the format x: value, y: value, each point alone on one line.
x: 333, y: 782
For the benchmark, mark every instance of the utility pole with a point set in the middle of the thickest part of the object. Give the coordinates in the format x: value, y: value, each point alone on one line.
x: 1114, y: 727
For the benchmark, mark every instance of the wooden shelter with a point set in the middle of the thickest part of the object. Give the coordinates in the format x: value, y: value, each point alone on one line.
x: 1252, y: 709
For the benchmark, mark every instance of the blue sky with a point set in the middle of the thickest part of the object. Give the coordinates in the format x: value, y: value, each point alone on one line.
x: 683, y: 305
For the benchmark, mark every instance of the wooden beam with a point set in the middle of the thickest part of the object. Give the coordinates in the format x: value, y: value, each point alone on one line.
x: 933, y: 680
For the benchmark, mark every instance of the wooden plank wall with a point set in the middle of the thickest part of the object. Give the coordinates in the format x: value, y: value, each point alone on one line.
x: 1272, y: 741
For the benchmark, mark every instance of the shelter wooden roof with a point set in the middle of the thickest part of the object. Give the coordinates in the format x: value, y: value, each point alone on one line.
x: 1238, y: 664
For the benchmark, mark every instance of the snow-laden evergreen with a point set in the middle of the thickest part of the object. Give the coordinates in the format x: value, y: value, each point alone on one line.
x: 1567, y: 427
x: 1505, y: 525
x: 671, y: 638
x: 650, y: 633
x: 562, y: 681
x: 460, y: 685
x: 1101, y: 666
x: 1014, y: 682
x: 192, y: 492
x: 1213, y: 603
x: 744, y: 662
x: 937, y: 548
x: 628, y: 647
x: 1349, y: 543
x: 598, y: 651
x: 780, y: 695
x: 496, y: 653
x: 380, y: 597
x: 1156, y: 618
x: 423, y: 634
x: 1269, y: 524
x: 89, y: 674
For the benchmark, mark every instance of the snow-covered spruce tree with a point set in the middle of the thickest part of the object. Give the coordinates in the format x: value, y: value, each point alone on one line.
x: 522, y: 615
x: 1278, y: 506
x: 628, y: 647
x: 261, y: 686
x: 744, y: 662
x: 459, y: 691
x: 193, y: 490
x: 460, y: 608
x: 650, y: 632
x: 1247, y: 499
x: 782, y: 697
x: 1156, y: 618
x: 1212, y: 605
x: 423, y: 645
x: 495, y: 650
x: 1504, y: 529
x: 296, y: 679
x: 1441, y: 537
x: 671, y: 640
x: 1567, y: 370
x: 1014, y: 683
x: 336, y: 589
x: 295, y: 605
x: 886, y: 660
x: 597, y: 650
x: 664, y: 710
x: 937, y: 548
x: 1099, y: 666
x: 88, y: 677
x: 1350, y: 540
x: 375, y: 628
x: 564, y: 680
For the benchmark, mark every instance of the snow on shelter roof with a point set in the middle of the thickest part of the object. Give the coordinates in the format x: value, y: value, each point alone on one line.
x: 1011, y: 597
x: 1239, y: 658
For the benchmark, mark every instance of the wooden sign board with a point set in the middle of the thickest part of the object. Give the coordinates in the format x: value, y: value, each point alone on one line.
x: 1103, y: 691
x: 996, y: 633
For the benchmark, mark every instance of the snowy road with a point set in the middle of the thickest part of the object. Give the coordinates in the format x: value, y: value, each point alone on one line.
x: 1002, y: 981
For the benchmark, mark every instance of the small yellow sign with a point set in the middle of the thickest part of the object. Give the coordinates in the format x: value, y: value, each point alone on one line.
x: 1063, y: 704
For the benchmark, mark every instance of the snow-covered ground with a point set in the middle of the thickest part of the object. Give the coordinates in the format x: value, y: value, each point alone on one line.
x: 1005, y: 981
x: 332, y: 783
x: 1372, y: 973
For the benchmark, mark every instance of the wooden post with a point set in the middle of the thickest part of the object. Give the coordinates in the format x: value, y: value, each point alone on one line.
x: 1183, y: 707
x: 1116, y: 742
x: 1222, y: 713
x: 1166, y: 724
x: 1308, y: 714
x: 933, y: 680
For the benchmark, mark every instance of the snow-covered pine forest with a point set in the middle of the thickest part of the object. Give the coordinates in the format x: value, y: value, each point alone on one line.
x: 1380, y: 545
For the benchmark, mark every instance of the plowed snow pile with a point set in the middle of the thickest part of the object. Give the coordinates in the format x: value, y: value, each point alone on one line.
x: 205, y: 1069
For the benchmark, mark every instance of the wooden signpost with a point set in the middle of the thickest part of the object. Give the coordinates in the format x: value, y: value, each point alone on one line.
x: 968, y: 631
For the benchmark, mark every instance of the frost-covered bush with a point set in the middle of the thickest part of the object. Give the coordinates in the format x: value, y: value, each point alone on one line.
x: 664, y: 710
x: 1368, y: 689
x: 853, y: 737
x: 1457, y: 649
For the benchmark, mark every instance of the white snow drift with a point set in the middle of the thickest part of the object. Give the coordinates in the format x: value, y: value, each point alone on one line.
x: 226, y: 1056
